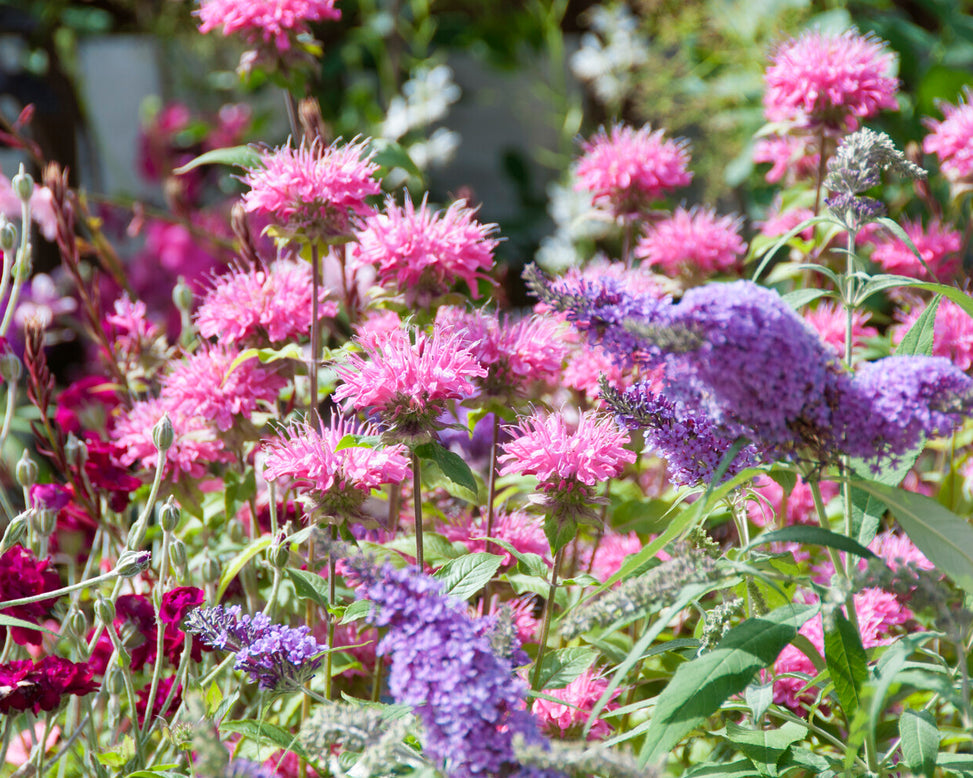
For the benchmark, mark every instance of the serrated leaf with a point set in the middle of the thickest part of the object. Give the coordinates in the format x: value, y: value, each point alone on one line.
x: 441, y: 467
x: 765, y: 747
x: 918, y: 341
x: 265, y: 732
x: 237, y: 156
x: 847, y: 663
x: 815, y: 536
x: 560, y: 667
x: 920, y: 740
x: 309, y: 586
x: 465, y: 576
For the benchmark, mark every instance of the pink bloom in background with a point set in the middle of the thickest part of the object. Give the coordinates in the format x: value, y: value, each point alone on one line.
x: 696, y: 242
x: 612, y: 552
x: 521, y: 610
x: 779, y: 223
x: 829, y: 321
x: 788, y: 155
x: 86, y: 403
x: 277, y: 21
x: 952, y: 333
x: 896, y: 549
x: 195, y: 444
x: 834, y: 80
x: 336, y: 482
x: 951, y: 140
x: 266, y: 305
x: 586, y: 364
x: 625, y: 169
x: 422, y: 253
x: 41, y: 208
x: 207, y: 384
x: 24, y: 575
x: 523, y: 531
x: 567, y: 719
x: 767, y: 508
x: 376, y: 326
x: 21, y: 744
x: 314, y: 192
x: 938, y: 244
x: 409, y: 383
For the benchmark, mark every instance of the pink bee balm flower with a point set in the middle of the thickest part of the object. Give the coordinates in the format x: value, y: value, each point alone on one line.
x: 951, y: 140
x: 788, y: 155
x: 612, y: 552
x: 567, y: 719
x: 779, y: 222
x: 523, y: 531
x: 952, y: 333
x: 277, y: 21
x: 938, y: 245
x: 833, y: 80
x: 897, y: 550
x: 422, y: 253
x: 695, y: 242
x: 829, y: 321
x: 267, y: 305
x: 314, y: 192
x: 333, y: 481
x: 208, y: 384
x: 409, y: 383
x: 586, y: 364
x: 626, y: 169
x: 768, y: 507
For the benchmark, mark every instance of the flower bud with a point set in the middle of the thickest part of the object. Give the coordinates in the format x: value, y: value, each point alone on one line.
x: 75, y: 452
x: 234, y: 528
x: 8, y: 237
x: 177, y: 555
x: 105, y: 610
x: 132, y: 563
x: 23, y: 184
x: 76, y: 623
x: 182, y: 295
x: 115, y: 682
x: 169, y: 515
x: 211, y: 570
x: 45, y: 521
x: 26, y: 470
x: 10, y: 365
x: 163, y: 434
x: 15, y: 531
x: 280, y: 554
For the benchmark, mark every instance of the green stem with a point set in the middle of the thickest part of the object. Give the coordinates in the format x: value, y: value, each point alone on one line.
x: 492, y: 487
x: 417, y: 503
x: 315, y: 332
x: 18, y: 281
x: 160, y: 633
x: 548, y: 615
x: 59, y: 592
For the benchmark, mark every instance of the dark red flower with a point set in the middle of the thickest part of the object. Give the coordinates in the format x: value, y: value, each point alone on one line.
x: 103, y: 473
x: 165, y: 686
x: 136, y: 626
x: 25, y: 685
x: 176, y: 604
x: 24, y: 575
x: 86, y: 403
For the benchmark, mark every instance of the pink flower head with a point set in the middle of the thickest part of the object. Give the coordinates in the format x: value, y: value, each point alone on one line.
x: 789, y: 155
x: 24, y: 575
x: 567, y: 719
x: 523, y: 531
x: 208, y: 384
x: 409, y: 383
x: 314, y: 192
x: 897, y: 550
x: 335, y: 481
x: 834, y: 80
x: 696, y: 242
x: 277, y: 21
x: 829, y: 321
x: 521, y: 611
x: 195, y: 443
x: 952, y: 333
x: 262, y: 306
x: 586, y: 364
x: 422, y: 253
x: 768, y: 507
x: 612, y: 552
x: 951, y: 140
x: 938, y: 245
x: 627, y: 169
x: 779, y: 223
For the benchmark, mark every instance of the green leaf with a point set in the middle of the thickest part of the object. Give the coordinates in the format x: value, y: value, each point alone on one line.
x: 358, y: 441
x: 560, y: 667
x: 213, y: 698
x: 389, y: 155
x: 11, y: 621
x: 920, y: 741
x: 465, y: 576
x: 815, y: 536
x: 264, y: 732
x: 238, y: 156
x: 866, y: 509
x: 699, y: 687
x: 358, y: 610
x: 770, y: 251
x: 441, y: 467
x: 309, y: 586
x: 531, y: 564
x: 240, y: 561
x: 118, y: 756
x: 266, y: 355
x: 945, y: 538
x: 918, y: 340
x: 847, y: 663
x: 801, y: 297
x: 765, y: 747
x: 741, y: 768
x: 559, y: 531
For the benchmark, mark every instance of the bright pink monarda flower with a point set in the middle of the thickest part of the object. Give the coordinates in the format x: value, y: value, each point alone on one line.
x: 566, y: 719
x: 24, y: 575
x: 195, y: 443
x: 314, y: 193
x: 626, y: 169
x: 829, y: 321
x: 821, y: 79
x: 42, y: 685
x: 268, y: 21
x: 333, y: 481
x: 207, y: 384
x: 779, y: 223
x: 524, y: 531
x: 938, y: 245
x: 266, y: 305
x: 951, y: 140
x: 408, y: 383
x: 129, y: 329
x: 613, y: 549
x: 767, y: 506
x: 788, y: 155
x: 422, y: 253
x: 896, y: 550
x: 697, y: 243
x: 952, y: 333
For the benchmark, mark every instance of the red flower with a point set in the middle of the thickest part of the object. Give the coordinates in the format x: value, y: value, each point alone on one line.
x: 135, y: 623
x: 24, y: 575
x: 25, y: 685
x: 175, y: 605
x: 165, y: 686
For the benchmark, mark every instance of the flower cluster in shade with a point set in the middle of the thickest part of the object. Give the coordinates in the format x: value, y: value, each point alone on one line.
x: 278, y: 658
x: 24, y: 575
x: 407, y: 382
x: 421, y: 253
x: 695, y: 242
x: 832, y: 81
x: 470, y: 701
x: 38, y: 686
x: 313, y: 192
x: 627, y: 169
x: 263, y: 305
x: 566, y: 719
x: 951, y: 139
x: 938, y: 244
x: 270, y: 21
x: 334, y: 481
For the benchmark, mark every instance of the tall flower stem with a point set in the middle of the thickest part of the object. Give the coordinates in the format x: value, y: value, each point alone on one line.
x: 417, y: 503
x: 822, y: 166
x: 315, y: 332
x: 548, y: 615
x: 492, y: 486
x: 332, y: 573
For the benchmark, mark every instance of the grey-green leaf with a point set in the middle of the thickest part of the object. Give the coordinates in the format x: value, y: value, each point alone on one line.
x: 918, y: 341
x: 920, y: 741
x: 847, y: 663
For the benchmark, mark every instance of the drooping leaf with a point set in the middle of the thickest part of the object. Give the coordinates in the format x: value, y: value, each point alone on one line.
x: 847, y: 663
x: 765, y: 747
x: 466, y: 575
x: 918, y: 341
x: 441, y: 467
x: 309, y: 586
x: 264, y: 732
x: 815, y: 536
x: 11, y: 621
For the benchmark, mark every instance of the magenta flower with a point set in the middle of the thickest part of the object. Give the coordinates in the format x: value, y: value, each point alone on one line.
x: 409, y: 383
x: 422, y: 253
x: 767, y: 506
x: 613, y: 549
x: 896, y: 550
x: 262, y: 306
x: 42, y: 685
x: 523, y: 531
x: 567, y: 719
x: 696, y: 242
x: 951, y: 140
x: 266, y: 21
x: 952, y: 333
x: 627, y: 169
x: 829, y: 321
x: 788, y: 155
x: 24, y: 575
x: 334, y: 482
x: 208, y: 385
x: 779, y: 223
x: 938, y: 244
x: 314, y: 192
x: 831, y: 80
